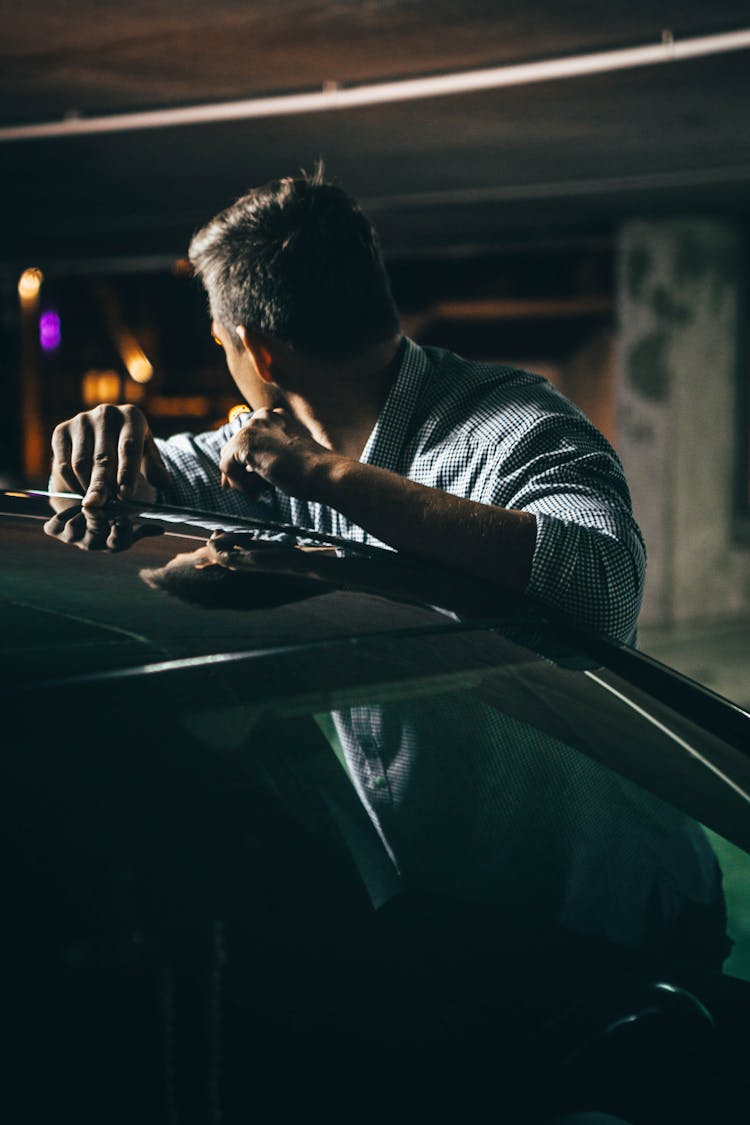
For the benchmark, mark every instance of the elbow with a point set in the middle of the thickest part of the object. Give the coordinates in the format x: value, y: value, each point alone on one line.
x: 607, y: 585
x: 592, y: 576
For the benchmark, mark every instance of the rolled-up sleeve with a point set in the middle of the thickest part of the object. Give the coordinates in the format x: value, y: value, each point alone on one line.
x: 589, y: 559
x: 595, y: 575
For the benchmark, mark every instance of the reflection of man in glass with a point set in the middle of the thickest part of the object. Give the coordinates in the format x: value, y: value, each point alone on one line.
x: 482, y: 807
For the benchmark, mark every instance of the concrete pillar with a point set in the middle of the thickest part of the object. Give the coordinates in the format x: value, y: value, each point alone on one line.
x: 678, y: 305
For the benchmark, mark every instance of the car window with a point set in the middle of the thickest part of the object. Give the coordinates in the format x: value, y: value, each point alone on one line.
x: 551, y: 791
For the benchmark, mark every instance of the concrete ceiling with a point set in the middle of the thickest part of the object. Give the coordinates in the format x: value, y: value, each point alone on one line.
x: 462, y: 170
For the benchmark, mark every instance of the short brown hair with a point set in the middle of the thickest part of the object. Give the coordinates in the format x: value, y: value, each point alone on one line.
x: 299, y: 261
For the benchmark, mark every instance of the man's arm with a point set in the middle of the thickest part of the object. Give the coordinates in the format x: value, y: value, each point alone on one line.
x: 569, y: 539
x: 489, y: 542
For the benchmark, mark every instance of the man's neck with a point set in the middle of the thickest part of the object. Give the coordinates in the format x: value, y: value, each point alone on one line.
x: 339, y: 403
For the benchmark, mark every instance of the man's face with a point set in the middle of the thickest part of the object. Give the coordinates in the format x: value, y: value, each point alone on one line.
x: 255, y: 392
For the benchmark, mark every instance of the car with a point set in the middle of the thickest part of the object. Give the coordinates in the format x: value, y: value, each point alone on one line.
x: 297, y: 827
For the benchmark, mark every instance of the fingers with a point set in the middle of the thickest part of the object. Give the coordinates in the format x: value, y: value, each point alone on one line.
x: 279, y: 449
x: 72, y: 453
x: 229, y: 459
x: 238, y: 459
x: 62, y: 468
x: 103, y: 481
x: 130, y: 450
x: 234, y: 463
x: 244, y: 479
x: 100, y: 452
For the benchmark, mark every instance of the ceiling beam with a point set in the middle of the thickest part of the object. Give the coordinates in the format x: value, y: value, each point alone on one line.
x: 333, y: 97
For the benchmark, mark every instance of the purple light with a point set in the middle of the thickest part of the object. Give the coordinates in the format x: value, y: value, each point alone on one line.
x: 49, y: 331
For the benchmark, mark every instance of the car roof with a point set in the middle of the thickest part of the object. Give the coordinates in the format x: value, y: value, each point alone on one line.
x: 75, y: 620
x: 93, y: 607
x: 88, y: 611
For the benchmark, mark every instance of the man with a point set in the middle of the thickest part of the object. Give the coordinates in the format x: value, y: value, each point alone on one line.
x: 358, y: 432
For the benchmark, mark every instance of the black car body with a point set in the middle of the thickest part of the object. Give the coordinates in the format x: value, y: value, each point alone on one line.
x: 222, y: 903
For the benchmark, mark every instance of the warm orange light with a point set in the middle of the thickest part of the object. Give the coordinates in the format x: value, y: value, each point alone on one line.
x: 176, y: 405
x: 29, y: 284
x: 134, y: 392
x: 182, y: 267
x: 100, y: 386
x: 135, y: 359
x: 139, y: 368
x: 240, y: 408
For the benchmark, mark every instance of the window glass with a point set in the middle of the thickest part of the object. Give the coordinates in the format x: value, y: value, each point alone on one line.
x: 547, y: 788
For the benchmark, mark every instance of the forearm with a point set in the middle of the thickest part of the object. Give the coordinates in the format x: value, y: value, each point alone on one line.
x: 574, y: 560
x: 594, y: 576
x: 480, y: 539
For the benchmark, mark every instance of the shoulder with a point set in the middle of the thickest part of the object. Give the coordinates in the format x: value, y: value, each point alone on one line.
x: 489, y: 404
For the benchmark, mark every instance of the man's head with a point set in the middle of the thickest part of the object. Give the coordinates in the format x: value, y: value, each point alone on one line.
x: 297, y: 261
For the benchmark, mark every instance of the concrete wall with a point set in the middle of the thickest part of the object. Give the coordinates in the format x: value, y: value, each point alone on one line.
x: 678, y: 306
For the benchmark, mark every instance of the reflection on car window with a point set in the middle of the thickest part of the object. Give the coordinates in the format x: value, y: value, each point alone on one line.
x: 481, y: 806
x: 512, y: 784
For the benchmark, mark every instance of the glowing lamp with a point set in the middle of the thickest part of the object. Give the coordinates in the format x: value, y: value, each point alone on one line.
x: 50, y: 335
x: 139, y: 368
x: 29, y: 284
x: 100, y: 386
x: 135, y: 360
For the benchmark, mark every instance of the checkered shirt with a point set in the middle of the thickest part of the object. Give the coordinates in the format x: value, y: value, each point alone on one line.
x: 489, y: 433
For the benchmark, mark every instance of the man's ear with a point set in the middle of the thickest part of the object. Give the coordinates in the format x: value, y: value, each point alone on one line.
x: 260, y: 353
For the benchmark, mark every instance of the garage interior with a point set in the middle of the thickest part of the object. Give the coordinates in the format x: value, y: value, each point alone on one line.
x: 578, y: 207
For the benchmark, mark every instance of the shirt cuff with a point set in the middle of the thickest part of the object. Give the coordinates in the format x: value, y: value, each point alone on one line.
x: 554, y: 560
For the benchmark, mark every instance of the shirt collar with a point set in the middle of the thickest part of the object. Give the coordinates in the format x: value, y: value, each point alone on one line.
x: 389, y: 434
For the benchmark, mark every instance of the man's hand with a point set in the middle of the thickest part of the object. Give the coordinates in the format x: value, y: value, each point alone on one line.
x: 274, y: 447
x: 107, y: 453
